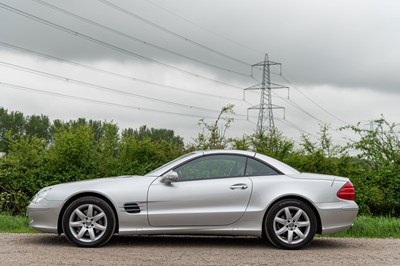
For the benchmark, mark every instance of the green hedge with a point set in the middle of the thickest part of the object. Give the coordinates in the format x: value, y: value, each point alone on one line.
x: 40, y: 153
x: 76, y: 152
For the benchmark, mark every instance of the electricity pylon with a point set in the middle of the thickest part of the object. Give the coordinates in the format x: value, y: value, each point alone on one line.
x: 265, y: 114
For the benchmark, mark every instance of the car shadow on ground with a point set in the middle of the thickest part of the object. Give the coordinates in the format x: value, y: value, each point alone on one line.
x: 211, y: 241
x: 181, y: 241
x: 192, y: 241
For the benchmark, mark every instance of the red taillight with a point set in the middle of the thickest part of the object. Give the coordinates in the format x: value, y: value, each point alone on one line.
x: 346, y: 192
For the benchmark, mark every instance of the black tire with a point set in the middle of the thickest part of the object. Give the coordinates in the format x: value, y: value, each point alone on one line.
x: 290, y: 224
x: 88, y: 222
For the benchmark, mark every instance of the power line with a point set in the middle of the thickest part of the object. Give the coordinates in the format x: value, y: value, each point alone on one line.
x: 307, y: 97
x: 61, y: 95
x: 210, y: 31
x: 122, y: 50
x: 291, y: 124
x: 130, y: 78
x: 202, y: 28
x: 312, y: 101
x: 54, y: 94
x: 99, y: 87
x: 131, y: 53
x: 284, y: 121
x: 132, y: 38
x: 309, y: 114
x: 161, y: 28
x: 294, y: 104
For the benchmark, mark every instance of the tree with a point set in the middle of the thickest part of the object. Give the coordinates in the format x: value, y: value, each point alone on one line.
x: 38, y: 126
x: 14, y: 123
x: 155, y: 134
x: 18, y: 125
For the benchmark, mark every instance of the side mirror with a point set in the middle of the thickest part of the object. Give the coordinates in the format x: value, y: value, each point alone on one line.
x: 169, y: 177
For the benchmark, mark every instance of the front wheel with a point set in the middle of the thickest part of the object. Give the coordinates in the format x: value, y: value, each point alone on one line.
x: 290, y: 224
x: 88, y: 222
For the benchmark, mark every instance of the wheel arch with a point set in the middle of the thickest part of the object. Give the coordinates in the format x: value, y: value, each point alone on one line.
x: 289, y: 197
x: 81, y: 195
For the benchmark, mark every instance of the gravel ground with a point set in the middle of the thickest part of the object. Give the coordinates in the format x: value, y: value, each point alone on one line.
x: 43, y: 249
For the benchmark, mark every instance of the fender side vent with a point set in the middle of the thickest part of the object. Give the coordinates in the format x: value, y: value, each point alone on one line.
x: 131, y: 207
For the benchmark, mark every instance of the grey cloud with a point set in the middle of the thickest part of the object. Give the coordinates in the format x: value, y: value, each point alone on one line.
x: 341, y: 43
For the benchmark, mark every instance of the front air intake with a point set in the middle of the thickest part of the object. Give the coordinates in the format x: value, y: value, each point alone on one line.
x: 131, y: 207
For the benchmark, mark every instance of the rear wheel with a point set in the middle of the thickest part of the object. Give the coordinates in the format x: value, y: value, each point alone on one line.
x: 88, y: 222
x: 290, y: 224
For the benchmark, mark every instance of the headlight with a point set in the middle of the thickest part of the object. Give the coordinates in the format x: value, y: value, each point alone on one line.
x: 40, y: 195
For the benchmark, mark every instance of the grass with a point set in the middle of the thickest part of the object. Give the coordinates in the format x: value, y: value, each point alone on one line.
x: 14, y: 224
x: 372, y: 227
x: 364, y: 226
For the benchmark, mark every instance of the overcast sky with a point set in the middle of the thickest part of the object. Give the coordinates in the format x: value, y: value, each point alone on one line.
x: 168, y: 63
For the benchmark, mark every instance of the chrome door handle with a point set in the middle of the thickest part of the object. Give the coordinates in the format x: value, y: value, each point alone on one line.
x: 239, y: 186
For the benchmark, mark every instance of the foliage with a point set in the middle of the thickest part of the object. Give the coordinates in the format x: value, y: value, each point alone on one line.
x: 272, y: 143
x: 76, y: 150
x: 322, y: 156
x: 379, y: 178
x: 41, y: 153
x: 212, y: 136
x: 374, y: 171
x: 155, y: 134
x: 21, y: 172
x: 17, y: 124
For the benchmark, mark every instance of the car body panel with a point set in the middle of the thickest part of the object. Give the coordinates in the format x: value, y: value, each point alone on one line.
x: 208, y: 207
x: 198, y: 202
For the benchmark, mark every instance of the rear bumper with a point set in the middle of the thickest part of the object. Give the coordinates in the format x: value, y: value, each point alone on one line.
x: 337, y: 216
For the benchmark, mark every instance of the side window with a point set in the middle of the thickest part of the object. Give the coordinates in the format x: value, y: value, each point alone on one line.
x: 256, y: 168
x: 212, y: 166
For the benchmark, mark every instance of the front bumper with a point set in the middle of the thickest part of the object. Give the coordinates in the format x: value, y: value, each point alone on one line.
x: 43, y: 215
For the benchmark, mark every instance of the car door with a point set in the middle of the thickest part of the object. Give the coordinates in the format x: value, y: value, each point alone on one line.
x: 210, y: 191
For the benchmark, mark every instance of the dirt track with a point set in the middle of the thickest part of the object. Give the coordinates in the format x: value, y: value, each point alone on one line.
x: 42, y: 249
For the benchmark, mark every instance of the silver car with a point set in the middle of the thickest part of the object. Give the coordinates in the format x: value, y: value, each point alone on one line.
x: 215, y: 192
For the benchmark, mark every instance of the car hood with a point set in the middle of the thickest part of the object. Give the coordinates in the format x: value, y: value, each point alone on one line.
x: 97, y: 181
x: 99, y: 185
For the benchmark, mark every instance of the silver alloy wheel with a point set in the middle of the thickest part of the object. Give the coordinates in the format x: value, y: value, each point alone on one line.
x: 88, y: 223
x: 291, y: 225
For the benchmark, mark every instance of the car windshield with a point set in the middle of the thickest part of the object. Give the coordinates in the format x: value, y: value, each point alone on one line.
x: 169, y: 163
